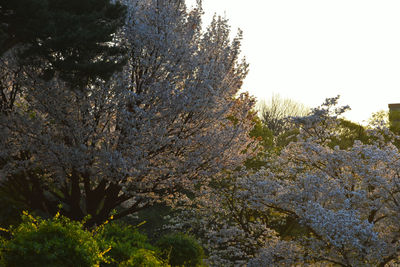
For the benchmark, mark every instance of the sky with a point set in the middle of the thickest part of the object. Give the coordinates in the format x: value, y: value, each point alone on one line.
x: 308, y: 50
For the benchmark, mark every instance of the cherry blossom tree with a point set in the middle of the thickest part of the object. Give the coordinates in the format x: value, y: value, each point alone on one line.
x: 160, y: 128
x: 344, y: 203
x: 346, y: 199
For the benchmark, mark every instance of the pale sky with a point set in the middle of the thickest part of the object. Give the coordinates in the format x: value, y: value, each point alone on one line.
x: 308, y: 50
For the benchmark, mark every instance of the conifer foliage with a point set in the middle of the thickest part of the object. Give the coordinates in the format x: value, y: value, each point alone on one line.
x: 69, y: 37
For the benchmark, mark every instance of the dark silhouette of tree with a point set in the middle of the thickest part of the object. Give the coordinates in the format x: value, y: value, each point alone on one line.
x: 73, y: 38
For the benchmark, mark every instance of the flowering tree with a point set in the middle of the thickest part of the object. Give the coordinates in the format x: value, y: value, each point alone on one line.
x: 344, y: 203
x: 347, y: 199
x: 156, y: 130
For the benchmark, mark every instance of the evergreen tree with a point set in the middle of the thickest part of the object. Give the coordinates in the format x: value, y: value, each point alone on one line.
x: 74, y: 38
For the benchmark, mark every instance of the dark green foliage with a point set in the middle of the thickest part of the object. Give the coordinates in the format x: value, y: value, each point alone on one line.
x: 124, y: 241
x: 61, y: 242
x: 70, y: 37
x: 143, y: 258
x: 266, y: 143
x: 286, y: 138
x: 348, y: 133
x: 154, y: 216
x: 181, y: 250
x: 263, y: 134
x: 53, y: 242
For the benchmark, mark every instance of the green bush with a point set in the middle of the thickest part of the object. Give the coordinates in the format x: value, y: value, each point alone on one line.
x: 54, y: 242
x: 143, y: 258
x: 124, y: 241
x: 181, y: 250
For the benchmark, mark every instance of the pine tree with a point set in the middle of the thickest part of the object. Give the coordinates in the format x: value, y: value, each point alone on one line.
x: 72, y: 39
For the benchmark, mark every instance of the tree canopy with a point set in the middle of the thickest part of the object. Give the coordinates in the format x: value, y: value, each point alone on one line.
x: 73, y: 38
x: 161, y: 127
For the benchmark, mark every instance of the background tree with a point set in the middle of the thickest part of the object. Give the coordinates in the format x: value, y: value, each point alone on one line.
x: 265, y: 139
x: 349, y: 132
x: 158, y: 129
x: 379, y: 119
x: 73, y: 38
x: 276, y: 112
x: 345, y: 199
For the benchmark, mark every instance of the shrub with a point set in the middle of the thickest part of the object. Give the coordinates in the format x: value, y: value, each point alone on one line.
x: 124, y: 241
x: 53, y: 242
x: 143, y: 258
x: 181, y: 250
